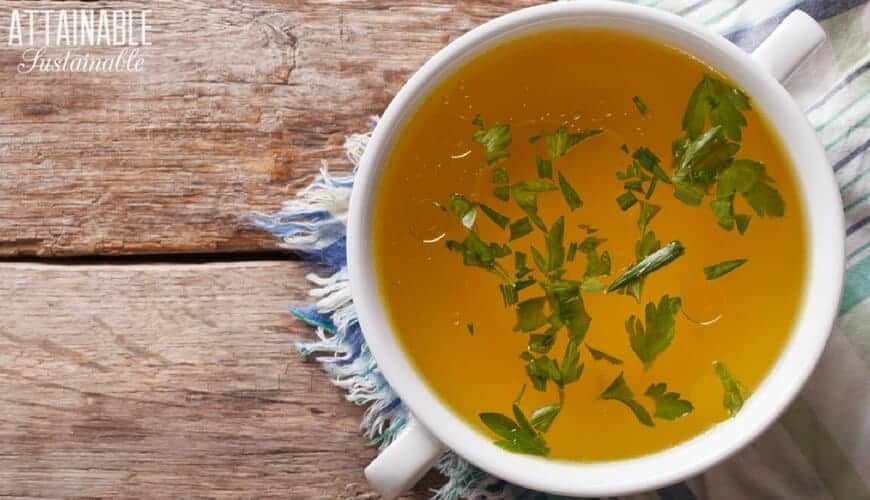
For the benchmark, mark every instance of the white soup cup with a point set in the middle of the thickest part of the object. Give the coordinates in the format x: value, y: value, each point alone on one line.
x: 436, y: 428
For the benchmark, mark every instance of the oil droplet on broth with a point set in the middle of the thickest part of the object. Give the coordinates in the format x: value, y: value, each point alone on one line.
x: 703, y: 301
x: 431, y: 221
x: 454, y: 319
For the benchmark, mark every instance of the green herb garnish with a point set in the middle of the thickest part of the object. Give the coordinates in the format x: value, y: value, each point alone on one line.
x: 644, y: 247
x: 591, y: 243
x: 647, y: 212
x: 689, y: 193
x: 520, y: 264
x: 650, y: 263
x: 543, y: 417
x: 703, y: 162
x: 561, y: 141
x: 698, y: 163
x: 463, y: 208
x: 545, y: 168
x: 626, y: 200
x: 722, y: 268
x: 597, y: 265
x: 668, y: 405
x: 568, y: 307
x: 618, y: 390
x: 523, y: 284
x: 592, y: 285
x: 509, y: 294
x: 572, y: 251
x: 531, y: 315
x: 650, y: 341
x: 525, y: 195
x: 499, y: 219
x: 516, y: 435
x: 749, y: 178
x: 556, y: 244
x: 500, y: 178
x: 651, y: 188
x: 734, y: 390
x: 601, y: 355
x: 704, y: 157
x: 540, y: 262
x: 541, y: 343
x: 520, y: 228
x: 723, y: 209
x: 639, y: 104
x: 495, y: 140
x: 478, y: 253
x: 742, y: 221
x: 634, y: 185
x: 719, y: 101
x: 571, y: 368
x: 632, y: 171
x: 569, y: 193
x: 540, y: 370
x: 651, y: 163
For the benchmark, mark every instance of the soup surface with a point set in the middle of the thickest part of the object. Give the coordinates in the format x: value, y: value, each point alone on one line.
x: 589, y: 387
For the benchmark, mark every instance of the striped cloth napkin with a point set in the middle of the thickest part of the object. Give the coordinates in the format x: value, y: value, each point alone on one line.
x: 820, y: 448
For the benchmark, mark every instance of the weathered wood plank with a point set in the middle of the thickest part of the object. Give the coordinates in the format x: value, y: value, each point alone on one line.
x: 171, y: 381
x: 238, y: 103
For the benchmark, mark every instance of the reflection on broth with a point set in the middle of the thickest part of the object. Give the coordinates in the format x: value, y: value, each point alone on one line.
x: 590, y: 245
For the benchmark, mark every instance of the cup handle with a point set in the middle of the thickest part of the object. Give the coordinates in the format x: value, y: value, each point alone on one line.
x: 399, y: 466
x: 789, y: 44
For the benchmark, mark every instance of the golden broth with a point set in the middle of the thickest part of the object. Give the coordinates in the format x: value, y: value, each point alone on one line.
x: 587, y: 79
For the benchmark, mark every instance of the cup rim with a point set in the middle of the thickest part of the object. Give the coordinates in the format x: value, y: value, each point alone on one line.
x: 825, y: 263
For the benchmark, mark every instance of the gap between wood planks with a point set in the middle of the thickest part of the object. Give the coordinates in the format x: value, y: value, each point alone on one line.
x: 168, y: 258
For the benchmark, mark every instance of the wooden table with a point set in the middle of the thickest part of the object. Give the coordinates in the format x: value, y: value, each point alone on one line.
x: 144, y: 341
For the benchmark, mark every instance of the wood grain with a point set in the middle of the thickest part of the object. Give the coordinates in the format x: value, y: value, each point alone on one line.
x: 239, y: 102
x: 170, y: 381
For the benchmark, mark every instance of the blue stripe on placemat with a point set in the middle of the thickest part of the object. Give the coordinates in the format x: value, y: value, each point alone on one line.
x: 857, y: 286
x: 851, y: 156
x: 750, y: 38
x: 679, y: 491
x: 858, y: 225
x: 854, y: 180
x: 857, y: 202
x: 311, y: 317
x: 846, y: 80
